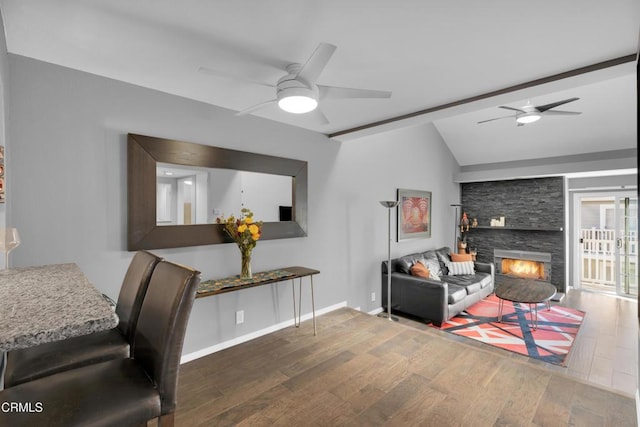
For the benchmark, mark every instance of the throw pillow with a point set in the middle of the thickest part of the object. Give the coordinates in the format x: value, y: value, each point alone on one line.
x: 461, y: 268
x: 433, y: 266
x: 461, y: 257
x: 418, y: 269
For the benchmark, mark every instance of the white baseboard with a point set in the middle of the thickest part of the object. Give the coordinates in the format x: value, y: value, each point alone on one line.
x: 376, y: 311
x: 244, y: 338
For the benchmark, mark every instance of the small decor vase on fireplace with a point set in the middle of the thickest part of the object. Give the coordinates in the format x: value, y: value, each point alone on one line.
x: 245, y: 232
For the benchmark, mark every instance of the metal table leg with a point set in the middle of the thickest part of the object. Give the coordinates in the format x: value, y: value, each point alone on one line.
x: 533, y: 309
x: 313, y: 308
x: 300, y: 301
x: 295, y: 316
x: 297, y: 312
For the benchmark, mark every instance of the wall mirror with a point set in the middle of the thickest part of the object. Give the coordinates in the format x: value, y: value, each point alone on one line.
x: 177, y: 189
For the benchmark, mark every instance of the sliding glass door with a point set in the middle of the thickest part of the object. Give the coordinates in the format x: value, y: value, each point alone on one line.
x: 608, y: 244
x: 627, y: 245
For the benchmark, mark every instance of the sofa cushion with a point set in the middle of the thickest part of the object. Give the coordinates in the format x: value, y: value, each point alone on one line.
x: 420, y: 270
x: 485, y: 280
x: 472, y: 282
x: 456, y: 294
x: 461, y: 268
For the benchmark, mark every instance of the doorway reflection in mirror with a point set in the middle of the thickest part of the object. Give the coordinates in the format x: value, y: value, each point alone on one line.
x: 189, y: 195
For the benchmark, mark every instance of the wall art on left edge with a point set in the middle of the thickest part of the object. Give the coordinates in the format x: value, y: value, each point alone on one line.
x: 414, y: 214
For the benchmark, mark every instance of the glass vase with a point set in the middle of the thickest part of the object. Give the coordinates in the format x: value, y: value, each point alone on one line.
x: 245, y: 270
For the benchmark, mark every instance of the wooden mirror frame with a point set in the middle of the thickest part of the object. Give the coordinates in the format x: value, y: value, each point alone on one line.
x: 143, y: 154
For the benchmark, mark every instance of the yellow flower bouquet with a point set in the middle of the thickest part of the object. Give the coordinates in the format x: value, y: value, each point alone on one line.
x: 245, y: 232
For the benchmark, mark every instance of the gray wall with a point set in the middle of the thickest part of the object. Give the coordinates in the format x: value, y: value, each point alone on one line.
x: 4, y: 96
x: 67, y: 131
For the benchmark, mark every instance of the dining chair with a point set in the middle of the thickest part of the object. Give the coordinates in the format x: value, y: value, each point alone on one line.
x: 46, y: 359
x: 120, y: 392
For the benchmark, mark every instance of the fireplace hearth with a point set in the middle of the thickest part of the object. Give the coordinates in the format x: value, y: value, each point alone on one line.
x: 523, y: 264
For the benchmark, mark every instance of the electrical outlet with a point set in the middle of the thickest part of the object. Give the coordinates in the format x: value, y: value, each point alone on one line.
x: 239, y: 317
x: 373, y: 296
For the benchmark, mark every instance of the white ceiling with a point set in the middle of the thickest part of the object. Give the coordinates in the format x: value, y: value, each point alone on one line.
x: 428, y: 53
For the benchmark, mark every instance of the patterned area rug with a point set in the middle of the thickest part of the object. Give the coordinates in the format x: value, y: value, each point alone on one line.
x: 551, y: 342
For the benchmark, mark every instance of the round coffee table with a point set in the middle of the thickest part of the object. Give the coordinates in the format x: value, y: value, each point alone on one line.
x: 532, y: 292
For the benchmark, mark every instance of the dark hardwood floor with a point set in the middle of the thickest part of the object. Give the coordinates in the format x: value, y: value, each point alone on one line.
x: 362, y: 370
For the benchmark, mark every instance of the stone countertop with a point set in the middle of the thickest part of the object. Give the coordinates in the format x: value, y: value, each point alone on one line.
x: 49, y: 303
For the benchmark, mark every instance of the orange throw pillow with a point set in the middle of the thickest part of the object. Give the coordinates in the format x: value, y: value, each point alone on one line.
x: 461, y: 257
x: 418, y: 269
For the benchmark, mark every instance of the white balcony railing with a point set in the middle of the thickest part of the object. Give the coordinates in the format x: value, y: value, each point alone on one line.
x: 599, y: 255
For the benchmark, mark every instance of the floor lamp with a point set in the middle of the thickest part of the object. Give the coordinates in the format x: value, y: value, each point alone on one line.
x: 389, y: 204
x: 455, y: 225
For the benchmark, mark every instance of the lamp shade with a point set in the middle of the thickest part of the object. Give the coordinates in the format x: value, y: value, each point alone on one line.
x: 389, y: 203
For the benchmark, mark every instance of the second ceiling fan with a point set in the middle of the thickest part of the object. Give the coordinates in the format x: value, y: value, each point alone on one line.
x: 532, y: 113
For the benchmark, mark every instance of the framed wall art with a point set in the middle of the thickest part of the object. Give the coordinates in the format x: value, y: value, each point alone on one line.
x: 414, y: 214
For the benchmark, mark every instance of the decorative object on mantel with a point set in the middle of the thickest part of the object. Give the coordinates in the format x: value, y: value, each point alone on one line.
x: 9, y: 240
x: 462, y: 244
x: 498, y: 222
x: 389, y: 204
x: 464, y: 222
x: 245, y: 231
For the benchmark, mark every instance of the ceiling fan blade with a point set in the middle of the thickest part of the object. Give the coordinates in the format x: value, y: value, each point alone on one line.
x: 333, y: 92
x: 511, y: 108
x: 543, y: 108
x: 496, y: 118
x: 560, y: 113
x: 218, y: 73
x: 318, y: 116
x: 316, y: 63
x: 256, y: 107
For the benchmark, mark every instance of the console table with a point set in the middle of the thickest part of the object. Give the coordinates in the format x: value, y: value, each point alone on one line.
x: 235, y: 283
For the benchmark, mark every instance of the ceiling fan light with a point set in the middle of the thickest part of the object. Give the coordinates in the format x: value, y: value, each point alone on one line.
x: 297, y: 104
x: 528, y: 118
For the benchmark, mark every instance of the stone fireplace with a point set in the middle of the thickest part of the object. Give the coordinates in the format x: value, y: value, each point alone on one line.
x: 534, y: 211
x: 523, y: 264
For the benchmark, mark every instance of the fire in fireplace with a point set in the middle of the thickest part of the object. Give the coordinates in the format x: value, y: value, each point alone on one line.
x: 524, y: 264
x: 523, y: 268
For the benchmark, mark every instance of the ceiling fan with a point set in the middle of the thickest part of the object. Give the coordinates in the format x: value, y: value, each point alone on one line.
x: 297, y: 92
x: 532, y: 113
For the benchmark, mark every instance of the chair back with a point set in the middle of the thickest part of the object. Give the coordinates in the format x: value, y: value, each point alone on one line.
x: 159, y: 335
x: 133, y: 290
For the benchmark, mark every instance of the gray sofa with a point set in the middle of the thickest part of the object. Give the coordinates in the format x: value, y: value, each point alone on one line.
x: 433, y: 300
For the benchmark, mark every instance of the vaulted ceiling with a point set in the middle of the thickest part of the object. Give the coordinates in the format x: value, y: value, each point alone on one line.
x: 439, y: 60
